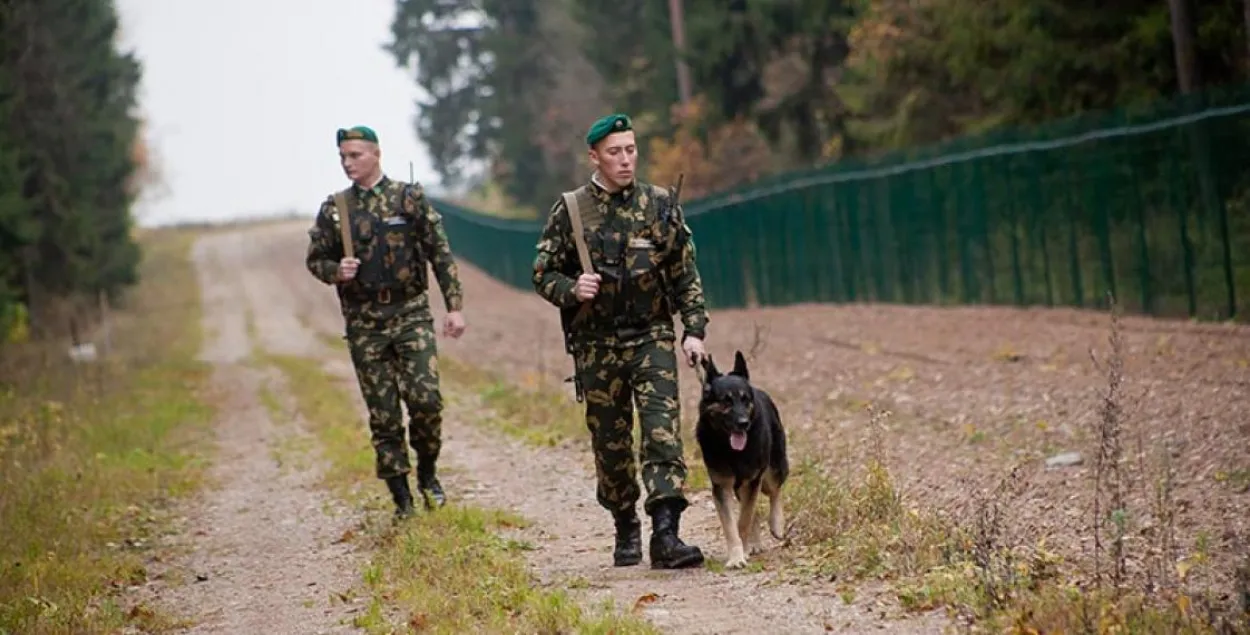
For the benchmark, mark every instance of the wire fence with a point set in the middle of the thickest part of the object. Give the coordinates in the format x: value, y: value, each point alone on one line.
x: 1150, y: 205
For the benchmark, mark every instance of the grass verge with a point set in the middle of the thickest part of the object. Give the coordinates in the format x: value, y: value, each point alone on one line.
x: 91, y: 458
x: 455, y: 571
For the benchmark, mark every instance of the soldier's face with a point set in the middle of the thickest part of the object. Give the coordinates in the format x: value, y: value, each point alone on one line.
x: 359, y: 159
x: 615, y: 157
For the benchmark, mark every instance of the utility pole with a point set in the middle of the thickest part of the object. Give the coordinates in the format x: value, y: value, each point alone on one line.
x: 677, y: 19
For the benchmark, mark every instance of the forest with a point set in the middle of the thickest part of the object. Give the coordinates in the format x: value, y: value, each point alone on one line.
x: 736, y: 90
x: 71, y: 163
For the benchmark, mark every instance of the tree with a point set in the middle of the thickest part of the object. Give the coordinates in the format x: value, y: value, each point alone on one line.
x: 67, y: 163
x: 503, y: 91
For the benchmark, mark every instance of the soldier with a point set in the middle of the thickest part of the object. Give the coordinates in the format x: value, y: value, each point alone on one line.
x: 383, y: 290
x: 637, y: 269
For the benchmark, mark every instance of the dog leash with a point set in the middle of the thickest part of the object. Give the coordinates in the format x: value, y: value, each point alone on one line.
x: 700, y: 373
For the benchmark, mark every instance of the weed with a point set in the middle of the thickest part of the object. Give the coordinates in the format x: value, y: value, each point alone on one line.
x: 1109, y: 500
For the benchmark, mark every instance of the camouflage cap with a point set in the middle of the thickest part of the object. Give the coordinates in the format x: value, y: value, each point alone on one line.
x: 606, y: 126
x: 364, y: 133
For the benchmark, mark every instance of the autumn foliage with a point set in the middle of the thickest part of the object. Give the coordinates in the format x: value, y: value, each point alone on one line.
x: 734, y: 152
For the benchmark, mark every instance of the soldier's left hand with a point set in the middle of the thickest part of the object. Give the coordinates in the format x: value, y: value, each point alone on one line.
x: 453, y: 324
x: 693, y: 348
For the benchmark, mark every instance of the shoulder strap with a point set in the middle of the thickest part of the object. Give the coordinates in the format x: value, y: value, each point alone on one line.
x: 579, y: 238
x: 345, y: 226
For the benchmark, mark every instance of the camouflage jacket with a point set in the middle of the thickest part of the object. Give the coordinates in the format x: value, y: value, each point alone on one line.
x: 394, y: 237
x: 643, y: 250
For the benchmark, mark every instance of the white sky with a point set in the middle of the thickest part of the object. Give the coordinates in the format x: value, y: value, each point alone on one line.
x: 242, y: 99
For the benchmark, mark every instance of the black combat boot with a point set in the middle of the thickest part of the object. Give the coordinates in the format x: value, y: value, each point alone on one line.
x: 401, y: 494
x: 628, y: 551
x: 667, y: 550
x: 427, y: 482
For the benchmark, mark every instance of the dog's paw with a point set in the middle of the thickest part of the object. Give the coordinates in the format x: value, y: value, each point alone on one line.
x: 737, y: 560
x: 755, y: 547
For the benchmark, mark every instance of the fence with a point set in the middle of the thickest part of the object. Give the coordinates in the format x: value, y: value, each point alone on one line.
x: 1152, y: 206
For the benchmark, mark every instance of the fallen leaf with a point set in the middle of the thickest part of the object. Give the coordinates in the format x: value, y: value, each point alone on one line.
x: 1182, y: 568
x: 418, y: 622
x: 644, y: 600
x: 140, y: 612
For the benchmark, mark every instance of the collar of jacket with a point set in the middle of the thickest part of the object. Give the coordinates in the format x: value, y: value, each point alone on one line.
x: 601, y: 193
x: 377, y: 189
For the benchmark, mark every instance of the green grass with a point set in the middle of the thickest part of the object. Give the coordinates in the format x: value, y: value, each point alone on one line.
x: 455, y: 571
x: 91, y: 460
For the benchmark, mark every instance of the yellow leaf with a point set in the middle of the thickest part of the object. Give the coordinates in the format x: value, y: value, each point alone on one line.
x: 1182, y: 603
x: 1182, y: 568
x: 902, y: 373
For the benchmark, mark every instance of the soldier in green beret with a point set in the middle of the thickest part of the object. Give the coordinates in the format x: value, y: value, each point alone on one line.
x: 391, y: 231
x: 617, y: 294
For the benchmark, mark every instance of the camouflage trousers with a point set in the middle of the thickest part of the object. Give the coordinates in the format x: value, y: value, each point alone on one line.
x: 614, y: 380
x: 394, y: 365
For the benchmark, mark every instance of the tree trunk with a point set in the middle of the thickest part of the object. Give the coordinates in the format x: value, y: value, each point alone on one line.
x: 676, y: 16
x: 1245, y: 10
x: 1183, y: 44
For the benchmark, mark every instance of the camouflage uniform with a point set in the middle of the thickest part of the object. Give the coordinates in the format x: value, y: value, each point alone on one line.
x: 386, y: 310
x: 623, y: 342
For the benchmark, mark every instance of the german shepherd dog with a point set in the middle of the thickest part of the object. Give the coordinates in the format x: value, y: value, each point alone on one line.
x: 744, y: 449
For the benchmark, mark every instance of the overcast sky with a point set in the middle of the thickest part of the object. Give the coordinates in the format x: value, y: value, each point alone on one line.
x: 243, y: 98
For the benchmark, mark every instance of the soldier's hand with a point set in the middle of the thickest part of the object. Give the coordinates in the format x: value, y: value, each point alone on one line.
x: 347, y: 268
x: 453, y: 324
x: 587, y: 286
x: 693, y: 348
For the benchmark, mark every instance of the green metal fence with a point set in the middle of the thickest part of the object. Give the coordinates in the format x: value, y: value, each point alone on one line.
x: 1152, y: 206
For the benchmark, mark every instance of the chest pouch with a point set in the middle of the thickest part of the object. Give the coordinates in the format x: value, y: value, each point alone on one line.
x: 389, y: 260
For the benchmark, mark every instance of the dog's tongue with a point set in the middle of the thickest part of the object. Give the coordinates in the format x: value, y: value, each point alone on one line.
x: 738, y: 440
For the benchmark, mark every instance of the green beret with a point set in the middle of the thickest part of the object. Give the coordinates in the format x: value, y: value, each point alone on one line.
x: 606, y: 126
x: 355, y: 132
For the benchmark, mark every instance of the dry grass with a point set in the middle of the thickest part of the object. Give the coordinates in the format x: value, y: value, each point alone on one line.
x: 450, y: 572
x: 92, y: 457
x: 859, y: 527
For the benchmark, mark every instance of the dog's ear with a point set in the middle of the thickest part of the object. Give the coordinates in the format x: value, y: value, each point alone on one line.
x: 709, y: 367
x: 740, y: 366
